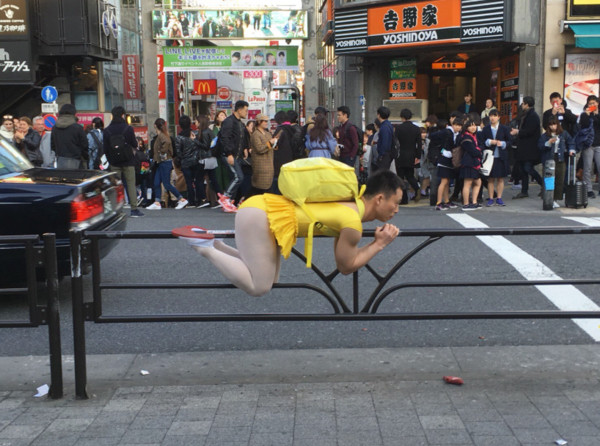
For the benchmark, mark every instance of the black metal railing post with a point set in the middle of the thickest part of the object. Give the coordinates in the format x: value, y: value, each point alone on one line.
x: 78, y: 316
x: 53, y: 316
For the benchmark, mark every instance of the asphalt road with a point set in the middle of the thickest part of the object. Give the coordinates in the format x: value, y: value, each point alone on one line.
x: 450, y: 259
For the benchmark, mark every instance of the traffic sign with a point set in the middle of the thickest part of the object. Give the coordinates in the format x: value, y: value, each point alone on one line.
x: 49, y: 93
x: 49, y: 121
x: 50, y: 108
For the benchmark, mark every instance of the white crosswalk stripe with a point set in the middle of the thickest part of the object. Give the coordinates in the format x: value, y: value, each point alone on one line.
x: 592, y: 222
x: 564, y: 297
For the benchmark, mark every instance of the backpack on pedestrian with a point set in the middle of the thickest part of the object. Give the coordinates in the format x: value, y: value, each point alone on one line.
x: 317, y: 180
x: 120, y: 150
x: 297, y: 142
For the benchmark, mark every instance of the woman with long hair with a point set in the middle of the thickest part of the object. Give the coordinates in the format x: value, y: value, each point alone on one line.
x: 209, y: 165
x: 222, y: 171
x: 163, y: 156
x: 320, y: 140
x: 557, y: 144
x: 8, y: 127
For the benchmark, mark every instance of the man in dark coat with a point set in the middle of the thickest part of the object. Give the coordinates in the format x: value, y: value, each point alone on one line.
x: 348, y: 139
x: 126, y: 169
x: 68, y: 140
x: 528, y: 154
x: 565, y: 116
x: 409, y: 136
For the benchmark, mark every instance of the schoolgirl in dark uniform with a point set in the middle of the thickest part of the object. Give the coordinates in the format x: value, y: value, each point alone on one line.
x: 470, y: 165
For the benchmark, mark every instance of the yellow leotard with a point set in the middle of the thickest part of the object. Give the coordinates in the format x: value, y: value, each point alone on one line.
x: 288, y: 221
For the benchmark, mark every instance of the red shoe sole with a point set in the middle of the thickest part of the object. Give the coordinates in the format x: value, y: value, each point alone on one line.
x: 192, y: 232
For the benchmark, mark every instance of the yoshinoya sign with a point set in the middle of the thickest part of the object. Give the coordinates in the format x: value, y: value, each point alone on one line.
x: 433, y: 22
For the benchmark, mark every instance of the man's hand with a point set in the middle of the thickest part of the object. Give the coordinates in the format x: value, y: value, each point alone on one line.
x: 386, y: 234
x: 514, y: 132
x: 230, y: 160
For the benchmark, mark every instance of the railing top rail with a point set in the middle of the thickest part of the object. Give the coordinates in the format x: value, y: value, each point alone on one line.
x: 18, y: 238
x: 437, y: 232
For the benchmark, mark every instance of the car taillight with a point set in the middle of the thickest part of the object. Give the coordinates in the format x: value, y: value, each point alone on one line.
x: 120, y: 193
x: 83, y: 210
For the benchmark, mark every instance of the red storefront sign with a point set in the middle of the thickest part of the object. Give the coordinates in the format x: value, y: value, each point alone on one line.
x: 205, y: 87
x: 162, y: 90
x: 253, y: 74
x: 131, y: 76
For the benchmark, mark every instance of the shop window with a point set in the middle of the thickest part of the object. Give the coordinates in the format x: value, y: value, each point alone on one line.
x: 84, y: 85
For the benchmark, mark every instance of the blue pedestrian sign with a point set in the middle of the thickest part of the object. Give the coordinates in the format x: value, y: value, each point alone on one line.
x: 49, y: 94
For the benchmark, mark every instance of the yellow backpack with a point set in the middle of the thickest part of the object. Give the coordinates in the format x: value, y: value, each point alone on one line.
x: 317, y: 180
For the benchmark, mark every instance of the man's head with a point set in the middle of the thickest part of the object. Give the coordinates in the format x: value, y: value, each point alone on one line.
x: 259, y: 56
x: 67, y: 109
x: 405, y: 114
x: 494, y: 117
x: 241, y: 109
x: 235, y: 57
x: 457, y: 124
x: 555, y: 97
x: 455, y: 115
x: 343, y: 113
x: 292, y: 116
x: 383, y: 113
x: 118, y: 111
x: 321, y: 111
x: 370, y: 129
x: 38, y: 124
x: 528, y: 102
x: 468, y: 97
x: 383, y: 194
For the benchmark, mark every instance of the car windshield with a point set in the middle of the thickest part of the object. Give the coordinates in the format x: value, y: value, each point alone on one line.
x: 11, y: 160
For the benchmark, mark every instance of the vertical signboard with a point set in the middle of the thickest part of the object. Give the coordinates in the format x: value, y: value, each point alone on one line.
x: 403, y: 78
x: 162, y: 85
x: 509, y: 88
x: 582, y: 72
x: 131, y: 76
x: 15, y: 44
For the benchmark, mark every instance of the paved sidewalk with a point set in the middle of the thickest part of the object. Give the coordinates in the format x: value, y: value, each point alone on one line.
x: 532, y: 395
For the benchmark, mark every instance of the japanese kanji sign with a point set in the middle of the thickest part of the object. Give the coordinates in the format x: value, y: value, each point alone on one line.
x: 410, y: 24
x: 403, y: 75
x: 13, y: 18
x: 131, y: 76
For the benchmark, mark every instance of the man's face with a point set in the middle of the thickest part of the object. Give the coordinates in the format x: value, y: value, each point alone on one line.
x: 556, y: 102
x: 468, y: 98
x: 593, y: 104
x: 388, y: 207
x: 23, y: 127
x: 259, y: 59
x: 38, y: 125
x: 494, y: 119
x: 524, y: 106
x: 243, y: 112
x: 457, y: 127
x: 342, y: 117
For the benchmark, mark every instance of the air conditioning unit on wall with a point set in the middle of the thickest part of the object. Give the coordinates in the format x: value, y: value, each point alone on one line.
x: 418, y: 107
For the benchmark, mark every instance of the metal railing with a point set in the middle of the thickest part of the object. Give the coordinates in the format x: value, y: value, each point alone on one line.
x: 340, y: 308
x: 38, y: 256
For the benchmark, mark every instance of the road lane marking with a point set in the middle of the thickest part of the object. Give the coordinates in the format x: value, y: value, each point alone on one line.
x: 593, y: 222
x: 564, y: 297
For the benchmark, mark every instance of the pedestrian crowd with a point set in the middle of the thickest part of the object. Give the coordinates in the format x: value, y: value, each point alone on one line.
x: 460, y: 163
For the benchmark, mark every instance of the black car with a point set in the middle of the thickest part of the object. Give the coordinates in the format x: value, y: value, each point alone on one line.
x: 35, y: 200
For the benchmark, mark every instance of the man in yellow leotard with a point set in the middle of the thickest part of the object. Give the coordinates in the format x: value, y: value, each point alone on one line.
x: 267, y: 226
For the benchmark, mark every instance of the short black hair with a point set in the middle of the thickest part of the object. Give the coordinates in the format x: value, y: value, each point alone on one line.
x: 494, y: 112
x: 384, y: 182
x: 292, y: 116
x: 529, y: 101
x: 98, y: 123
x: 67, y: 109
x: 117, y: 111
x: 321, y: 111
x: 370, y: 127
x: 280, y: 117
x: 555, y: 95
x: 185, y: 122
x: 485, y: 120
x: 405, y: 113
x: 384, y: 112
x: 344, y: 109
x: 240, y: 104
x: 456, y: 114
x: 591, y: 97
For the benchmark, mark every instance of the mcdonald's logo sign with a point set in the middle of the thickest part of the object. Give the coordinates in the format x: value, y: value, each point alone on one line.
x: 205, y: 87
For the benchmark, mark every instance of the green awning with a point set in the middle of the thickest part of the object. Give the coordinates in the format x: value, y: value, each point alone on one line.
x: 586, y: 35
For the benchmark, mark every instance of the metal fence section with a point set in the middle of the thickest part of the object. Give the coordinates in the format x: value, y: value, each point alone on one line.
x: 341, y: 309
x: 37, y: 255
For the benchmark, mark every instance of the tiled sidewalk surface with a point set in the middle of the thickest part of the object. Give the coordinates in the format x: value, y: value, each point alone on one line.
x: 530, y: 395
x: 383, y: 413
